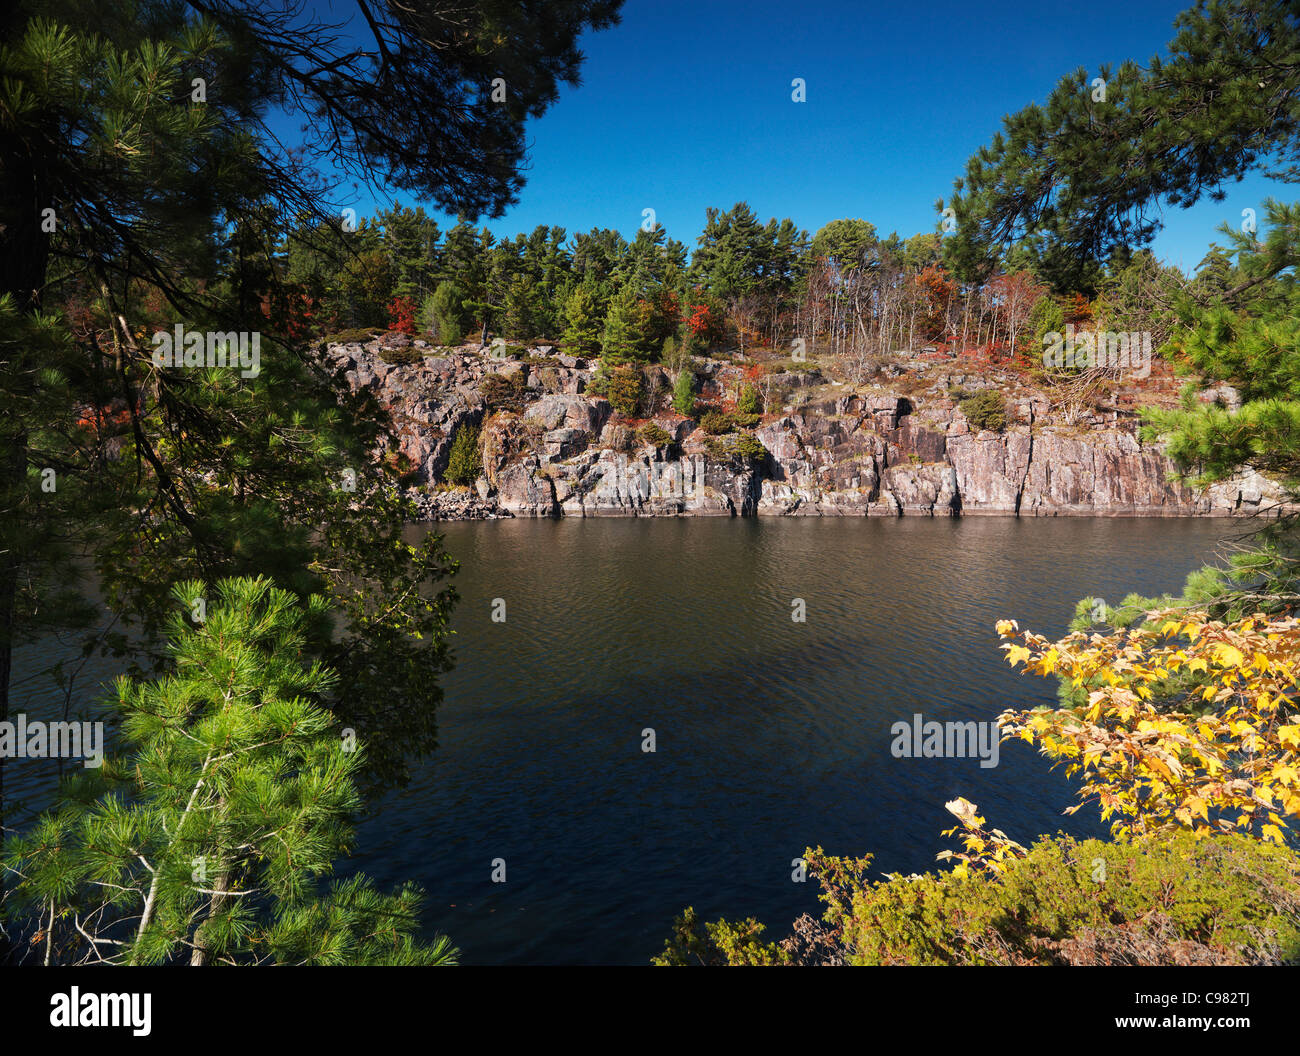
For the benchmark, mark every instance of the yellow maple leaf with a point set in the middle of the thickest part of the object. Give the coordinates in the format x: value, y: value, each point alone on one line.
x: 1017, y: 654
x: 1228, y: 655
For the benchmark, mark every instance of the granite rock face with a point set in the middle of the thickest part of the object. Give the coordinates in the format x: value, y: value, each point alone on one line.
x: 563, y: 452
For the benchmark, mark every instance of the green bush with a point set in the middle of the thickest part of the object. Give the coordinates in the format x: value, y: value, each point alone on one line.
x: 790, y: 366
x: 748, y: 446
x: 1046, y: 316
x: 1233, y: 894
x: 1176, y: 900
x: 465, y: 462
x: 717, y: 423
x: 624, y: 390
x: 986, y: 410
x: 750, y: 402
x: 717, y: 945
x: 651, y: 433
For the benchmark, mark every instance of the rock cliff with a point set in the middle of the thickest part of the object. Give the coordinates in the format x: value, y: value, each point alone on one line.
x: 561, y: 451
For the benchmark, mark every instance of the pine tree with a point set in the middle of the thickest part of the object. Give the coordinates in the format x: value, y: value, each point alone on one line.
x: 624, y: 336
x: 206, y: 843
x: 1076, y: 179
x: 582, y: 321
x: 464, y: 461
x: 523, y: 309
x: 445, y: 314
x: 684, y: 393
x: 410, y: 238
x: 155, y: 191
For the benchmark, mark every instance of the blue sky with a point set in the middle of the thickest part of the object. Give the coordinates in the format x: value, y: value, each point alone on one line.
x: 688, y: 104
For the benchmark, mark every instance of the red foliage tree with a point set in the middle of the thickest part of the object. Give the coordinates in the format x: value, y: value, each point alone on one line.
x: 1078, y: 310
x: 936, y: 292
x: 401, y: 315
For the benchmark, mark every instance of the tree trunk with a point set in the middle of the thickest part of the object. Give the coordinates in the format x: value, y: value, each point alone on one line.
x: 202, y: 948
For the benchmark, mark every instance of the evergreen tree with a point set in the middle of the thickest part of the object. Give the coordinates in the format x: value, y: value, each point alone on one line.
x: 1247, y: 335
x: 410, y: 239
x: 446, y: 313
x: 1046, y: 317
x: 465, y: 460
x: 583, y: 322
x: 154, y: 191
x: 1077, y: 178
x: 851, y: 245
x: 600, y: 257
x: 624, y: 336
x: 207, y: 843
x: 522, y: 309
x: 684, y: 393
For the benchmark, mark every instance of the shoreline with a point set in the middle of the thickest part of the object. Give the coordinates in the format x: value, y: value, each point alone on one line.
x: 487, y: 511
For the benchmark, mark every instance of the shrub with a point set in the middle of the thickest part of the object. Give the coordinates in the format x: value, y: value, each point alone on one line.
x: 401, y: 357
x: 720, y: 944
x: 1219, y: 900
x: 399, y: 464
x: 986, y: 410
x: 465, y: 462
x: 651, y: 433
x: 624, y: 390
x: 749, y: 403
x: 717, y: 449
x: 502, y: 393
x: 748, y: 446
x: 1225, y: 900
x: 717, y: 423
x: 791, y: 366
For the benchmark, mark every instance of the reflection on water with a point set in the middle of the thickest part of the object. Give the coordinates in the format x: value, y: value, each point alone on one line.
x: 771, y: 735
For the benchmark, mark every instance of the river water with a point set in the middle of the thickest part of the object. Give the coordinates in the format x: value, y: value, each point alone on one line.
x: 771, y: 735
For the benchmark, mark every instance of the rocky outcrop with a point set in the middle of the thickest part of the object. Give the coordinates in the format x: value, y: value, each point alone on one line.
x: 563, y: 452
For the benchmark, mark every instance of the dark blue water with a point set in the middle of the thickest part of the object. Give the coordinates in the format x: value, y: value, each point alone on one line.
x: 772, y: 735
